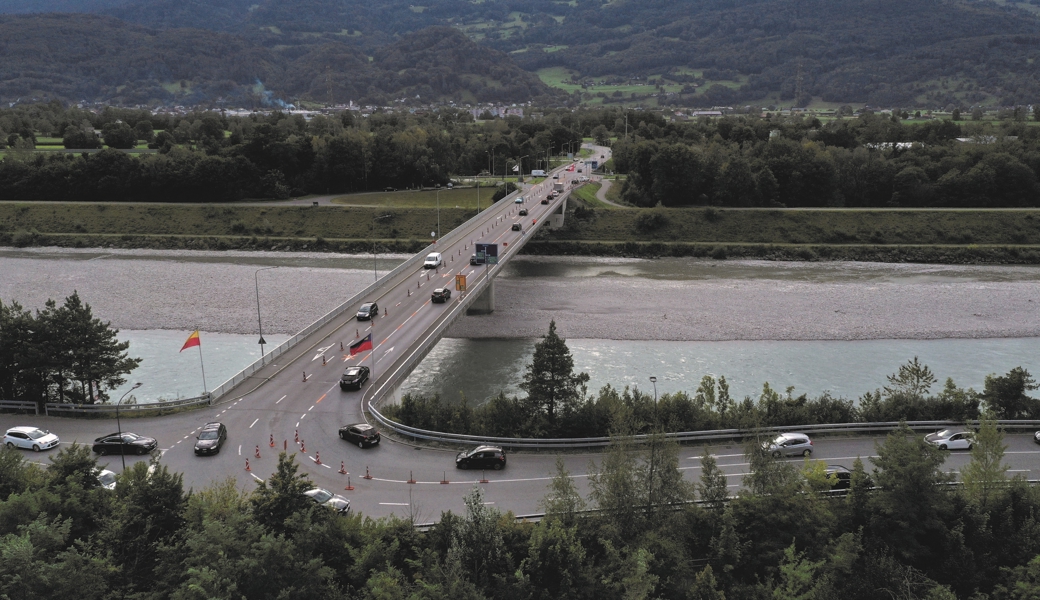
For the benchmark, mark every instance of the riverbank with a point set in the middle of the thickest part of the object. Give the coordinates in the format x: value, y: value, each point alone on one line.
x: 931, y: 236
x: 590, y: 298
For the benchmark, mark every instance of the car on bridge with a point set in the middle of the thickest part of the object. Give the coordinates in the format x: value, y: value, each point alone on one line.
x: 481, y: 457
x: 433, y: 260
x: 124, y: 443
x: 361, y: 434
x: 354, y: 377
x: 210, y: 439
x: 368, y: 310
x: 30, y: 438
x: 523, y: 212
x: 440, y: 295
x: 474, y: 260
x: 326, y: 498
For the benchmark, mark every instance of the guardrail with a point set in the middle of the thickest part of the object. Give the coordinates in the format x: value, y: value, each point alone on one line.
x: 52, y: 408
x: 19, y: 405
x: 681, y: 437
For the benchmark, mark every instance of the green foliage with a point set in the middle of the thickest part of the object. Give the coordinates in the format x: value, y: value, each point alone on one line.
x: 63, y: 354
x: 562, y: 501
x: 553, y: 390
x: 503, y: 190
x: 279, y: 497
x: 986, y: 474
x: 1007, y: 395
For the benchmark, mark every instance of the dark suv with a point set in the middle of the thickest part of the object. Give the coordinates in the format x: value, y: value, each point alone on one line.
x: 361, y: 434
x: 354, y: 377
x: 210, y: 439
x: 481, y: 457
x: 368, y: 310
x: 441, y: 295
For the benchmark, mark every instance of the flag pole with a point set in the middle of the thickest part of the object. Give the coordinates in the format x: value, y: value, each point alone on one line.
x: 203, y: 365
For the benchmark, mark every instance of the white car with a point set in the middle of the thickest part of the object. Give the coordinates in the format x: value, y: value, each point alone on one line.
x: 789, y: 444
x: 326, y: 498
x: 951, y: 439
x: 30, y: 438
x: 433, y: 260
x: 107, y: 479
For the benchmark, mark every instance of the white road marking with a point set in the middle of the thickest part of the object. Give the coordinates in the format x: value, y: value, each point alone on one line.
x: 310, y: 409
x: 282, y: 398
x: 257, y: 478
x: 304, y: 415
x: 254, y: 422
x: 240, y: 449
x: 297, y: 424
x: 393, y: 503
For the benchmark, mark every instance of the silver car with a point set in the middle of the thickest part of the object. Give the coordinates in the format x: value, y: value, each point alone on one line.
x: 30, y: 438
x: 951, y: 439
x: 789, y: 444
x: 326, y: 498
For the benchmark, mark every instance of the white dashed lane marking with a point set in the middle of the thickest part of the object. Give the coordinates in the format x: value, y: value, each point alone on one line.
x: 254, y: 422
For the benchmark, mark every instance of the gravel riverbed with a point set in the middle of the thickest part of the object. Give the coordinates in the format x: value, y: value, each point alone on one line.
x: 665, y: 299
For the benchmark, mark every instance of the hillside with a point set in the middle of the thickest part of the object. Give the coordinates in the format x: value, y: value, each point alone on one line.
x: 693, y: 52
x: 98, y: 58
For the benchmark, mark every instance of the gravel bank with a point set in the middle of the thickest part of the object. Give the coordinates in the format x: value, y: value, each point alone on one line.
x: 667, y: 299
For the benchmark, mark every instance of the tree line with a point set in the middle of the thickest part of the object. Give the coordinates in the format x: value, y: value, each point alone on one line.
x: 899, y: 531
x: 867, y: 161
x: 60, y: 354
x: 558, y: 404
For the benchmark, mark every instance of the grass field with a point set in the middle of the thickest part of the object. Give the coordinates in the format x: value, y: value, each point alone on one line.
x: 463, y: 198
x: 410, y: 220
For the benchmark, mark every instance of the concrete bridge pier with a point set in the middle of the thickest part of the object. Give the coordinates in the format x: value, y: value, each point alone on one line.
x: 555, y: 220
x: 484, y: 304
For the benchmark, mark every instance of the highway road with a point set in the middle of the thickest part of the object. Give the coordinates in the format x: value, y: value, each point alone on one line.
x: 295, y: 403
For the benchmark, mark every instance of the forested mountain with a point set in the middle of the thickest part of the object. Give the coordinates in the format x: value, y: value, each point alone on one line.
x: 879, y: 52
x: 100, y: 58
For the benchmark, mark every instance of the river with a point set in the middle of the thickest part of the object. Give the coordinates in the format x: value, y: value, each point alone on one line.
x: 837, y: 327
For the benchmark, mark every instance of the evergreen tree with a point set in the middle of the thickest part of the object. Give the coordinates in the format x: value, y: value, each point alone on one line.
x: 563, y: 502
x: 551, y: 385
x: 987, y: 472
x: 712, y: 488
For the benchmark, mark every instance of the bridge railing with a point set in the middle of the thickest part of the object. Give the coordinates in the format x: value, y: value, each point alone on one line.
x: 353, y: 303
x: 681, y: 437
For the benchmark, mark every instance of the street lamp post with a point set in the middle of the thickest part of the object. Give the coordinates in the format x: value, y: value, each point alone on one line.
x: 259, y: 323
x: 653, y: 448
x: 520, y: 163
x: 438, y: 213
x: 119, y: 424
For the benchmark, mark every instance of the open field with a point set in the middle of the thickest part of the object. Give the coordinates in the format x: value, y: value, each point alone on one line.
x: 894, y: 235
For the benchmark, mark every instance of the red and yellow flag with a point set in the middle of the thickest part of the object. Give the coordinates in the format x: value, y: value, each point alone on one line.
x: 193, y: 340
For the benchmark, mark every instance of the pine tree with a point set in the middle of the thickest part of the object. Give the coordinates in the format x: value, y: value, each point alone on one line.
x: 551, y: 385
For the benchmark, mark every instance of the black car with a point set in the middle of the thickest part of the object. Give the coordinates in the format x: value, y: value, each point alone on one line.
x: 523, y: 212
x: 481, y: 457
x: 354, y: 377
x: 125, y: 443
x: 440, y: 295
x: 326, y: 498
x: 361, y: 434
x: 518, y: 227
x: 546, y: 200
x: 473, y: 260
x: 210, y: 439
x: 839, y: 477
x: 368, y: 310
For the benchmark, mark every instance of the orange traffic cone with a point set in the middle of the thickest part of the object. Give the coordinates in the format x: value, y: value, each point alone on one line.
x: 247, y: 465
x: 258, y: 450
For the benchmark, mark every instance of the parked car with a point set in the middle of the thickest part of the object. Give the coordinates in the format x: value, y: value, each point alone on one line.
x: 523, y: 212
x: 107, y: 479
x: 440, y: 295
x: 326, y: 498
x: 361, y: 434
x: 124, y: 443
x: 517, y: 227
x: 789, y: 444
x: 354, y: 377
x: 30, y: 438
x: 210, y: 439
x: 433, y: 260
x: 368, y: 310
x: 481, y: 457
x: 951, y: 439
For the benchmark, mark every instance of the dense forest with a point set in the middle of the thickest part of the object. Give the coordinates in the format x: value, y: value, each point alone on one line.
x: 96, y: 58
x: 929, y: 53
x: 867, y: 161
x: 900, y: 531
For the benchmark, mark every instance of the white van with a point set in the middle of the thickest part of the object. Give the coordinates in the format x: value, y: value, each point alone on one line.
x: 433, y: 260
